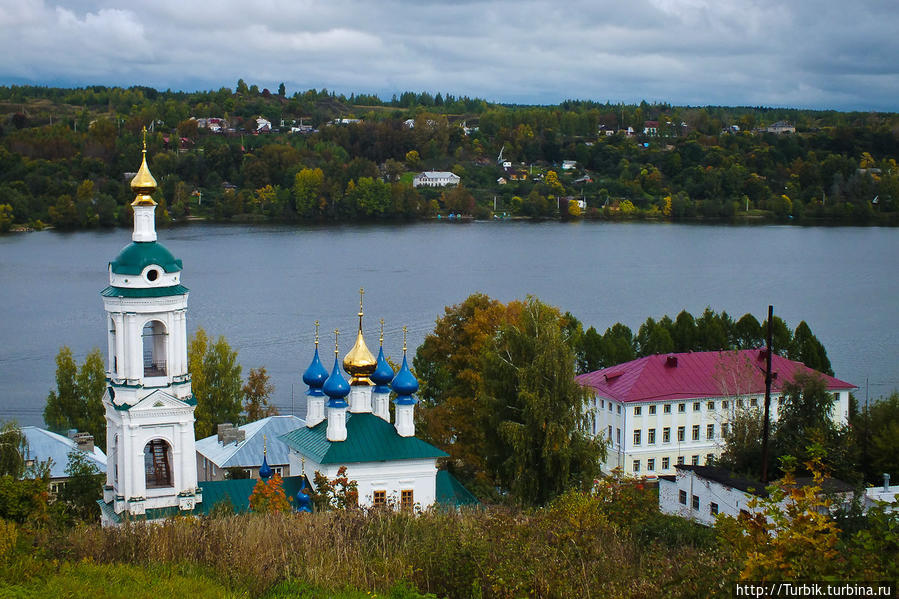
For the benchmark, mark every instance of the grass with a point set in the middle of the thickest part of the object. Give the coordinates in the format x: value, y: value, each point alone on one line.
x: 580, y: 546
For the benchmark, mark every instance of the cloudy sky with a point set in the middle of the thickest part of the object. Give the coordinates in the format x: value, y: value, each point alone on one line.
x: 808, y: 53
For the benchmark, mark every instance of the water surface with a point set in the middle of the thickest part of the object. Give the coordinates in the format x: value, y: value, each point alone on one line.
x: 263, y: 286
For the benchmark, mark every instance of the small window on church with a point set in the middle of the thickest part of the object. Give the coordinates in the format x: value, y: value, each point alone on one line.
x: 406, y: 499
x: 379, y: 498
x: 152, y: 274
x: 158, y: 464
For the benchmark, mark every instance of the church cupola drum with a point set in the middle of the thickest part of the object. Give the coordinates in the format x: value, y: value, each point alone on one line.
x: 148, y: 401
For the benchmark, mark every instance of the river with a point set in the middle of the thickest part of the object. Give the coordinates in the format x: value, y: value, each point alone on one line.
x: 262, y: 287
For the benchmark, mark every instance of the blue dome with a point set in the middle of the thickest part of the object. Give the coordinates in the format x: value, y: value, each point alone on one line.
x: 336, y: 386
x: 316, y: 375
x: 304, y: 502
x: 404, y: 383
x: 383, y: 373
x: 265, y: 471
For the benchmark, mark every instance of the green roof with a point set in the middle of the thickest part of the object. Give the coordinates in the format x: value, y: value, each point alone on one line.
x: 234, y: 492
x: 451, y: 493
x: 369, y: 439
x: 144, y: 292
x: 138, y: 255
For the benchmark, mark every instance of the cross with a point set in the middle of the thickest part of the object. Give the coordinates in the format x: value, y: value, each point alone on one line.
x: 404, y: 340
x: 145, y: 138
x: 316, y: 334
x: 336, y: 337
x: 382, y: 332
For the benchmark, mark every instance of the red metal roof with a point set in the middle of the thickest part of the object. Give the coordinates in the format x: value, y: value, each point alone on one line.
x: 697, y: 375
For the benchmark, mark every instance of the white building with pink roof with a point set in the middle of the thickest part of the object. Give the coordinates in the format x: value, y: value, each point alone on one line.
x: 660, y: 411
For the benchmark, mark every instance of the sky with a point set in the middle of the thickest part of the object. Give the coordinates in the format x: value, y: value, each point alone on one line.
x: 826, y: 54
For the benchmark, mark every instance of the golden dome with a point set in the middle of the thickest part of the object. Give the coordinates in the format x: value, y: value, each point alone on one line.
x: 143, y: 183
x: 359, y: 363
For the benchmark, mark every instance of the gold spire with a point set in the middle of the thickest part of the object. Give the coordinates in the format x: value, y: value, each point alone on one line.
x: 381, y: 336
x: 404, y: 340
x: 359, y: 363
x: 143, y: 183
x: 316, y: 334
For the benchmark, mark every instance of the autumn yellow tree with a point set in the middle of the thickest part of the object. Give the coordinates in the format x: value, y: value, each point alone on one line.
x: 268, y: 496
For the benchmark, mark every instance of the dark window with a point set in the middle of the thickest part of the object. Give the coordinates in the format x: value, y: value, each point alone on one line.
x: 406, y: 499
x: 682, y: 497
x: 379, y: 498
x: 713, y: 508
x: 696, y: 502
x: 158, y: 464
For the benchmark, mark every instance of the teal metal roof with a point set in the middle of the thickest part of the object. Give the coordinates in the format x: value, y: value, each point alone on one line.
x: 369, y: 439
x: 234, y: 492
x: 451, y: 493
x: 149, y: 292
x: 138, y: 255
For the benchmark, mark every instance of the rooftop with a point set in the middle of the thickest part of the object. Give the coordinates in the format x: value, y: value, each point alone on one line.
x: 369, y: 439
x: 248, y: 453
x: 43, y: 445
x: 697, y: 375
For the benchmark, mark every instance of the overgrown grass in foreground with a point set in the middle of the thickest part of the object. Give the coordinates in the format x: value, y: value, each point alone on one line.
x: 575, y: 547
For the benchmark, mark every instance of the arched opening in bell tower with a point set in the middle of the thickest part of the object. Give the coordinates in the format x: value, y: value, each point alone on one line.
x: 154, y: 339
x: 113, y: 365
x: 158, y: 464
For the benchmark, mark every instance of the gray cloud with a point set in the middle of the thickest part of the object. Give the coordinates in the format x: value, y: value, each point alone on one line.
x: 824, y: 54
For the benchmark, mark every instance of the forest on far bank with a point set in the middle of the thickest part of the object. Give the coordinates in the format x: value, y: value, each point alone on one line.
x: 245, y: 154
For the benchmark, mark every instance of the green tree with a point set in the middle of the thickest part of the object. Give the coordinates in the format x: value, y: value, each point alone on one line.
x: 215, y: 381
x: 748, y: 333
x: 806, y: 348
x: 77, y: 401
x: 307, y: 190
x: 6, y: 217
x: 13, y: 448
x: 877, y: 431
x: 83, y: 487
x: 257, y: 393
x: 537, y: 444
x: 448, y: 367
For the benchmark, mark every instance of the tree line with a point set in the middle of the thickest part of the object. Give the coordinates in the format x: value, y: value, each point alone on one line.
x: 64, y: 162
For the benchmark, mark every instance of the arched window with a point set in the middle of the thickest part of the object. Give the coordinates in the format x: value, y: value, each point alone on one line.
x: 158, y: 464
x: 154, y: 337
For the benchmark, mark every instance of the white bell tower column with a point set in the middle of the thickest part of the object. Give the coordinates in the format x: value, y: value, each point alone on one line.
x: 148, y: 399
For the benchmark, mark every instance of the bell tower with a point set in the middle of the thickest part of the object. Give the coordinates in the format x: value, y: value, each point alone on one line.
x: 152, y: 466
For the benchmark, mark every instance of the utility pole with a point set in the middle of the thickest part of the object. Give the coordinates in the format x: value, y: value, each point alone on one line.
x: 767, y: 394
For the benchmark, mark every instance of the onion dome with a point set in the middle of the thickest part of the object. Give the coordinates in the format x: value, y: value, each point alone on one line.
x: 265, y: 471
x: 382, y: 375
x: 359, y: 363
x: 316, y: 375
x: 404, y: 383
x: 143, y: 183
x: 336, y: 387
x: 303, y: 502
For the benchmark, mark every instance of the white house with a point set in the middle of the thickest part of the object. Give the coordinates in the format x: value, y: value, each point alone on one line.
x: 700, y: 493
x: 151, y: 466
x: 661, y: 411
x: 435, y: 179
x: 568, y: 165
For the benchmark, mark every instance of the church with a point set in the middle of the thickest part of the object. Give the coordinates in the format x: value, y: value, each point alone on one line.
x: 151, y: 451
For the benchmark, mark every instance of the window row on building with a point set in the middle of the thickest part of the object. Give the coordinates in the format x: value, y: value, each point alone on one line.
x: 664, y: 463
